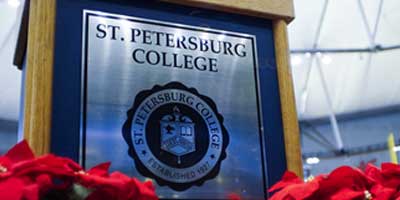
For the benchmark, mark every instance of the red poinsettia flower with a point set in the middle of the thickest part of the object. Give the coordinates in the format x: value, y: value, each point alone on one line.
x: 22, y: 176
x: 345, y: 183
x: 28, y: 176
x: 13, y: 187
x: 381, y: 190
x: 293, y: 188
x: 121, y: 187
x: 98, y: 175
x: 19, y: 153
x: 24, y: 187
x: 115, y: 185
x: 390, y: 176
x: 288, y: 178
x: 49, y: 164
x: 20, y: 161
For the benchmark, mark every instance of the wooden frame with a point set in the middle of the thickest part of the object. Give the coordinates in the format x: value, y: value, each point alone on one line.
x: 40, y: 55
x: 288, y: 105
x: 269, y: 9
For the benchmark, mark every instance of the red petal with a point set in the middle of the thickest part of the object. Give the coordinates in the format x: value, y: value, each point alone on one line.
x: 118, y: 186
x: 49, y: 164
x: 20, y: 152
x: 11, y: 189
x: 288, y: 178
x: 283, y: 194
x: 346, y: 177
x: 397, y: 195
x: 100, y: 170
x: 374, y: 173
x: 120, y: 176
x: 382, y: 193
x: 305, y: 190
x: 390, y: 167
x: 146, y: 190
x: 31, y: 192
x: 45, y: 183
x: 348, y: 194
x: 297, y: 191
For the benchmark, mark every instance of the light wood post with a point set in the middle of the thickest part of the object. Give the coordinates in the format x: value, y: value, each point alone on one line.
x: 288, y: 103
x: 39, y: 75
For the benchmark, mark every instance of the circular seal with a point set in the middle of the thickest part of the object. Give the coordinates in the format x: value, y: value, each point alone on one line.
x: 175, y: 136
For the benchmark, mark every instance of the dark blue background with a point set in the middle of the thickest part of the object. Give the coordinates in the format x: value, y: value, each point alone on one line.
x: 67, y: 68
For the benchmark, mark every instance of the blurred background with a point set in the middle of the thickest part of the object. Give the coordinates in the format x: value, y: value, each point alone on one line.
x: 345, y: 57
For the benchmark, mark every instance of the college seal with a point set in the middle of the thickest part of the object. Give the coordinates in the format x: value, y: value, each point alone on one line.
x: 175, y: 136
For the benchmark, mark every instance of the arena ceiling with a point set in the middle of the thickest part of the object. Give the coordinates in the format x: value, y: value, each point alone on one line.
x: 345, y: 56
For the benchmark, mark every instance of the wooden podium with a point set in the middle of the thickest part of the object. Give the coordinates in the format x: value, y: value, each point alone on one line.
x: 50, y: 51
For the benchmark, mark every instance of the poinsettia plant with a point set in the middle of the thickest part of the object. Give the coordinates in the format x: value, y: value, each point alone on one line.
x: 344, y: 183
x: 26, y: 177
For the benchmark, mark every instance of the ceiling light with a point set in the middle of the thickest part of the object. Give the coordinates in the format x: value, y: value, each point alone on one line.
x: 296, y: 60
x: 312, y: 160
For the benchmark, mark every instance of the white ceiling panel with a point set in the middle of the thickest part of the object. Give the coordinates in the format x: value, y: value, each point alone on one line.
x: 343, y: 26
x: 389, y: 26
x: 10, y: 77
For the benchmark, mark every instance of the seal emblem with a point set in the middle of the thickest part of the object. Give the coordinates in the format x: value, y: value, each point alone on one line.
x: 175, y: 136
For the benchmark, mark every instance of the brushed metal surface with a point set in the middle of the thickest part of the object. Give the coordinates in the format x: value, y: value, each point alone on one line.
x: 114, y: 79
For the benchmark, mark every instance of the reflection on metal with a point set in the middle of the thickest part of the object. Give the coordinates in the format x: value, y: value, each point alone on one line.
x: 122, y: 70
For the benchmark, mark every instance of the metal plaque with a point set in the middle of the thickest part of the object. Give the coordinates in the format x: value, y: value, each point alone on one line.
x: 173, y: 103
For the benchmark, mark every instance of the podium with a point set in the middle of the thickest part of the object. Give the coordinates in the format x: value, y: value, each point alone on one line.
x: 195, y: 95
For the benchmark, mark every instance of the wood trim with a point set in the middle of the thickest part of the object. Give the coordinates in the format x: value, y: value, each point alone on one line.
x: 39, y: 75
x: 269, y: 9
x: 288, y: 104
